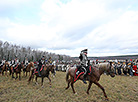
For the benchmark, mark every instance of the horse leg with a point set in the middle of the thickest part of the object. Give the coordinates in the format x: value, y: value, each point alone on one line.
x: 36, y: 80
x: 13, y: 75
x: 90, y: 84
x: 20, y: 76
x: 16, y: 76
x: 29, y: 73
x: 102, y: 89
x: 23, y: 73
x: 6, y: 72
x: 30, y: 78
x: 72, y: 82
x: 2, y: 72
x: 42, y: 81
x: 10, y: 72
x: 26, y: 73
x: 49, y: 80
x: 68, y: 84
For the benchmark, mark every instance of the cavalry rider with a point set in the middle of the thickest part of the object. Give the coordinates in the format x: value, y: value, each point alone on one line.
x: 25, y: 62
x: 41, y: 62
x: 2, y: 62
x: 12, y: 62
x: 16, y: 62
x: 50, y: 61
x: 84, y: 63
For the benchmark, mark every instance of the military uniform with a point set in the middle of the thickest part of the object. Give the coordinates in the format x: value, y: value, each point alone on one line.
x: 84, y: 63
x: 50, y: 61
x: 26, y: 62
x: 2, y: 62
x: 41, y: 62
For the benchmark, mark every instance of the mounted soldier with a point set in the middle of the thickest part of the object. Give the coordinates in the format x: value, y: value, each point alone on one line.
x: 16, y: 63
x: 2, y: 62
x: 12, y: 62
x: 41, y: 62
x: 50, y: 61
x: 25, y: 62
x: 84, y: 63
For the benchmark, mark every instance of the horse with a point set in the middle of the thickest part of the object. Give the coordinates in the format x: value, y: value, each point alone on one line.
x: 17, y: 70
x: 5, y: 68
x: 28, y: 68
x: 44, y: 73
x: 94, y: 76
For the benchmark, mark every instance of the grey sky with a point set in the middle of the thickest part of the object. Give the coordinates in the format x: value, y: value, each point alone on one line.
x: 105, y: 27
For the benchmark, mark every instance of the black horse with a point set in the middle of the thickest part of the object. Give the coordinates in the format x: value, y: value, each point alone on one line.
x: 16, y: 70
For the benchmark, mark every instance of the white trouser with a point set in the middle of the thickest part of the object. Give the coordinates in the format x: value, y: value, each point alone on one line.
x: 85, y: 71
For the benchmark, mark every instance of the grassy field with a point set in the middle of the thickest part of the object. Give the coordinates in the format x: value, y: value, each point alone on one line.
x: 118, y: 89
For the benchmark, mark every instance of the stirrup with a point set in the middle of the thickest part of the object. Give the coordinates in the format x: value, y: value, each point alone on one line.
x: 39, y: 74
x: 84, y: 81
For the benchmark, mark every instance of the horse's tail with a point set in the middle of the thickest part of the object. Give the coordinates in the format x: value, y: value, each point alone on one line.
x: 67, y: 74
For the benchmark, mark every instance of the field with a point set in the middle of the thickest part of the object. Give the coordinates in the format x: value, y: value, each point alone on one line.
x: 118, y: 89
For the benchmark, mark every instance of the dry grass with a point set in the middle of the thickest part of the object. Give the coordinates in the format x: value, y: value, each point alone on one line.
x: 118, y: 89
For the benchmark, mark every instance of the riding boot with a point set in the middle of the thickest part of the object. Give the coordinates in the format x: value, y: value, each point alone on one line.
x: 39, y: 72
x: 84, y: 79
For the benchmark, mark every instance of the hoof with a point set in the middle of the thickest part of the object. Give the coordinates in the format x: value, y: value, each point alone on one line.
x: 75, y: 93
x: 106, y: 99
x: 87, y: 93
x: 66, y: 88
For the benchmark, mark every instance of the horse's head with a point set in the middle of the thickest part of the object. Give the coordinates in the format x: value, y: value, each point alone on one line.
x: 31, y: 64
x: 7, y: 65
x: 52, y: 69
x: 110, y: 71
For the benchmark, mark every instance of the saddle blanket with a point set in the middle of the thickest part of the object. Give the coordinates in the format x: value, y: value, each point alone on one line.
x: 79, y: 71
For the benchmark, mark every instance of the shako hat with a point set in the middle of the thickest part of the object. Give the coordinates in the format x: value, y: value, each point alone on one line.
x: 84, y: 51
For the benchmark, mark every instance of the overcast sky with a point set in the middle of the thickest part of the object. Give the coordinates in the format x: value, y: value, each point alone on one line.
x: 104, y: 27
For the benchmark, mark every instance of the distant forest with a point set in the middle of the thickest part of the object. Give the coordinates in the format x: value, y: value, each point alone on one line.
x: 9, y: 51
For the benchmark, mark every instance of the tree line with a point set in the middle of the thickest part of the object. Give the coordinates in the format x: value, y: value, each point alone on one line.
x: 9, y: 51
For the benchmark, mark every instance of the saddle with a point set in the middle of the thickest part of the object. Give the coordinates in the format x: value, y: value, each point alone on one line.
x: 15, y: 68
x: 36, y: 70
x: 79, y: 71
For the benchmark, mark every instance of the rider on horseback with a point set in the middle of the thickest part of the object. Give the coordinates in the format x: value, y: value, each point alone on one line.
x: 25, y: 62
x: 2, y: 62
x: 50, y: 61
x: 16, y: 62
x: 41, y: 62
x: 84, y: 63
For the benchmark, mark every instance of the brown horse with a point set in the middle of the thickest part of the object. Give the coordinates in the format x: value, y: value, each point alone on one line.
x: 17, y: 70
x: 44, y: 73
x: 5, y: 68
x: 94, y: 76
x: 28, y: 68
